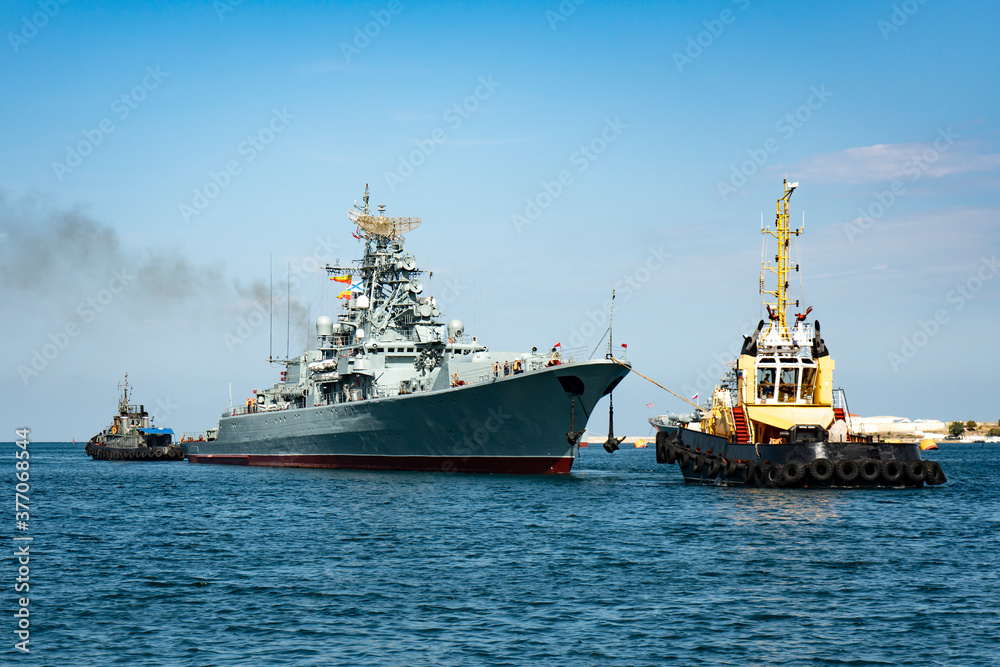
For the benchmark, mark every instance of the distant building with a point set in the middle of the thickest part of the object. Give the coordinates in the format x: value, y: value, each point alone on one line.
x: 897, y: 425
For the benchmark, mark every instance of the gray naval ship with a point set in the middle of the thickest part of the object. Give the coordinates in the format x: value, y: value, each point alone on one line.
x: 389, y: 386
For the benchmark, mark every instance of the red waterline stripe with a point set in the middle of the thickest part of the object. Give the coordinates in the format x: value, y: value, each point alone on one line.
x: 491, y: 464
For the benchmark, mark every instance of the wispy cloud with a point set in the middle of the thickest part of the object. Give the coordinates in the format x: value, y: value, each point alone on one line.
x: 485, y: 142
x: 887, y: 162
x: 324, y: 67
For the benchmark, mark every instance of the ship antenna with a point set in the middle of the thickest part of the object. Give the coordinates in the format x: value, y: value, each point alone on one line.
x: 611, y: 321
x: 288, y: 311
x: 270, y: 310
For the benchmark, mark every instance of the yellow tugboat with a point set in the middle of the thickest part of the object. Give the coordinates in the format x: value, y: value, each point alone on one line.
x: 776, y: 420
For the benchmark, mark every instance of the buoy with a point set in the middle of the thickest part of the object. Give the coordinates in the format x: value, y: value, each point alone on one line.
x: 640, y: 443
x: 928, y: 444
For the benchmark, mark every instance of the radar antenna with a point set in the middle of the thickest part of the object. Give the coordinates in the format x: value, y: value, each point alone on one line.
x: 380, y: 225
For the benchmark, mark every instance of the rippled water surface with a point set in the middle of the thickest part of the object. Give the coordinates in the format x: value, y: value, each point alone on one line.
x: 616, y: 564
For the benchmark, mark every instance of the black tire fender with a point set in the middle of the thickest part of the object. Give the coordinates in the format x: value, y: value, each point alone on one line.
x: 795, y: 474
x: 846, y: 471
x: 892, y: 472
x: 869, y: 470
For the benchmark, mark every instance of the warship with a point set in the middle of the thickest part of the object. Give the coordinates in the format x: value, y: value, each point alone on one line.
x: 131, y: 436
x: 390, y: 386
x: 776, y: 420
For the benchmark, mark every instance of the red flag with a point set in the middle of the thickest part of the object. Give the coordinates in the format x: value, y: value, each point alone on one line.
x: 624, y: 345
x: 557, y: 345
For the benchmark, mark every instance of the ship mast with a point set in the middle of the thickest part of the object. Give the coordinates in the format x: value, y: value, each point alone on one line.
x: 783, y: 234
x: 123, y: 406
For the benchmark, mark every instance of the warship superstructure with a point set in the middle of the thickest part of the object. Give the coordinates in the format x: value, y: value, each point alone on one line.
x: 389, y: 386
x: 776, y: 419
x: 132, y: 437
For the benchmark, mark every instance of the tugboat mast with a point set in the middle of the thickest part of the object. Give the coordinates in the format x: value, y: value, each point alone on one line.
x: 783, y: 234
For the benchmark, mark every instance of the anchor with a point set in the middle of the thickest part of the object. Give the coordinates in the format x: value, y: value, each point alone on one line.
x: 611, y: 444
x: 572, y: 435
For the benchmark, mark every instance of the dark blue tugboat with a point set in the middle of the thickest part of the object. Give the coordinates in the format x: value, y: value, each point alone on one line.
x: 132, y: 438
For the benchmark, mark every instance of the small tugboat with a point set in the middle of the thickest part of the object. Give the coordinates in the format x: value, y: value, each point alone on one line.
x: 131, y: 438
x: 776, y: 421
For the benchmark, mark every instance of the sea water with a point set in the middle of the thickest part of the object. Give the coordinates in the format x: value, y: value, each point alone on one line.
x: 618, y: 563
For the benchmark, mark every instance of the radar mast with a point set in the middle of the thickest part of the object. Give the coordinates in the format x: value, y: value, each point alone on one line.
x: 782, y: 267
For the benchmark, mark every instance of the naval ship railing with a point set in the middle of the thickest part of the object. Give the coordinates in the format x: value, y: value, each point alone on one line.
x: 533, y: 363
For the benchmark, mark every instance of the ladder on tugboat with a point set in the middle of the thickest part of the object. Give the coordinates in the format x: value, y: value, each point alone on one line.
x: 840, y: 405
x: 742, y: 429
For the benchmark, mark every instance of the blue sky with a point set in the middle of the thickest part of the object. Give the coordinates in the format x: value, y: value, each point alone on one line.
x: 553, y: 151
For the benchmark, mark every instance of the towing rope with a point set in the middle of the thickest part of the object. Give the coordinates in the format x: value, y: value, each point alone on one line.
x: 658, y: 384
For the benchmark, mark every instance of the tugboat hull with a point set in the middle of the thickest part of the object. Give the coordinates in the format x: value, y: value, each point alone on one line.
x: 103, y: 452
x: 709, y: 459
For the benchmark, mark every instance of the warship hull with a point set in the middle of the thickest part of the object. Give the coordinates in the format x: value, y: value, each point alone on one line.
x: 514, y: 424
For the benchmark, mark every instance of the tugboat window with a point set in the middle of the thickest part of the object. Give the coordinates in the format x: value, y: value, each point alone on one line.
x: 788, y: 388
x: 765, y: 383
x: 808, y: 384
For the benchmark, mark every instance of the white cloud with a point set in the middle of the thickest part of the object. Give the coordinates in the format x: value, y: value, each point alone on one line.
x: 888, y: 162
